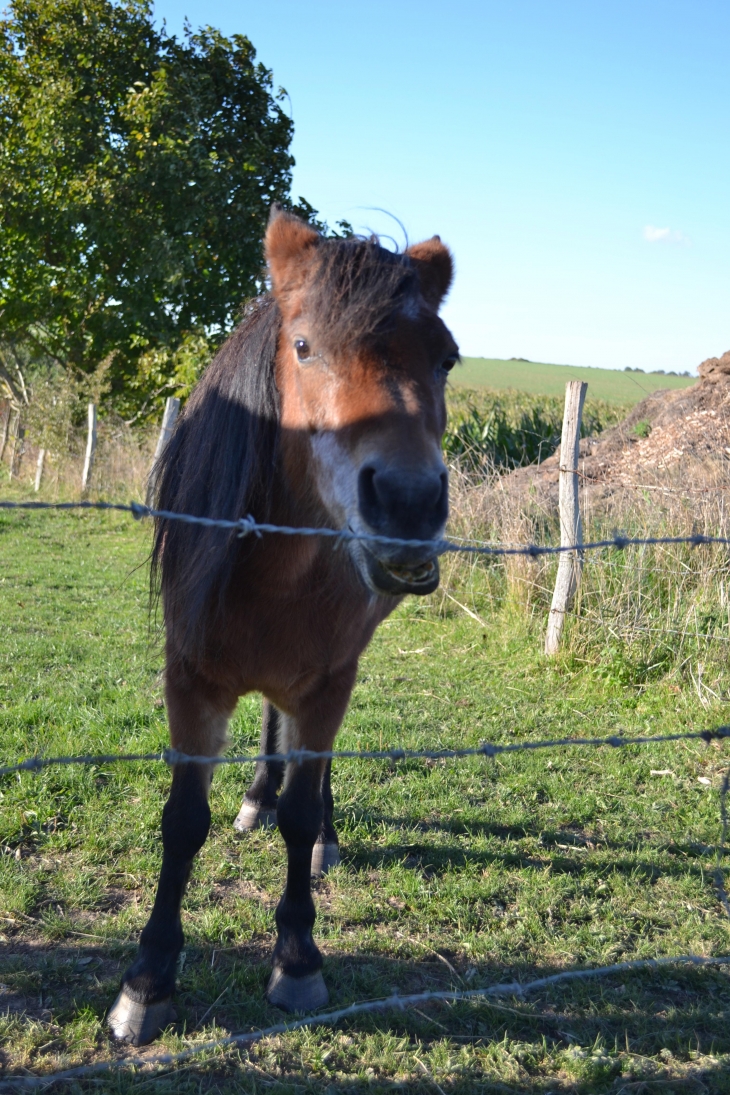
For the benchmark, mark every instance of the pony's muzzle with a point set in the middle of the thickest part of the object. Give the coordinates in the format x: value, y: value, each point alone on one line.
x: 405, y: 504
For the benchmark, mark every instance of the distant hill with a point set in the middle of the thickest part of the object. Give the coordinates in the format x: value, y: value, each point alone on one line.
x: 542, y: 379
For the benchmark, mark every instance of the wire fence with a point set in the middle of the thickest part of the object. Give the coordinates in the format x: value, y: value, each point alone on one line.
x: 246, y: 526
x: 298, y: 756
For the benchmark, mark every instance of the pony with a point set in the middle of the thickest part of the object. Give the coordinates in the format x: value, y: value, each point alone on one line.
x: 325, y: 408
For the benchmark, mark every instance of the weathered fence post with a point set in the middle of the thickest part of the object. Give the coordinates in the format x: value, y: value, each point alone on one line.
x: 571, y: 532
x: 6, y: 429
x: 18, y: 448
x: 39, y: 469
x: 90, y: 447
x: 172, y: 406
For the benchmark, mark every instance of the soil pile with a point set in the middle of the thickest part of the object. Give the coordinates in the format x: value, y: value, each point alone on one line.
x: 664, y: 432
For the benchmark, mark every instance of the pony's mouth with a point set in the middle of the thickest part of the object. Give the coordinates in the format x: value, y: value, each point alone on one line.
x: 413, y: 575
x: 399, y: 579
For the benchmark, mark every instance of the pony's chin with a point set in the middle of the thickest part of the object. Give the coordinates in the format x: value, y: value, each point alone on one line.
x: 397, y: 580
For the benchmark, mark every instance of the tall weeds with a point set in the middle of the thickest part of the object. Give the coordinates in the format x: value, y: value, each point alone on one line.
x: 641, y: 612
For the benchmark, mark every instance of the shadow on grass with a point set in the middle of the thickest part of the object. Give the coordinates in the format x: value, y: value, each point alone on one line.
x: 442, y: 859
x: 679, y: 1012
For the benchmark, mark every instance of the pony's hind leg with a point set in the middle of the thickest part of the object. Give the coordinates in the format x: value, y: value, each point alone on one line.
x: 326, y: 851
x: 296, y: 981
x: 259, y: 802
x: 144, y: 1005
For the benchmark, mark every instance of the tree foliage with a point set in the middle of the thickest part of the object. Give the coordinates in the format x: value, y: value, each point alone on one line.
x: 136, y: 174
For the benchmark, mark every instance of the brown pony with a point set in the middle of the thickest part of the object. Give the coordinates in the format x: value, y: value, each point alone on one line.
x: 325, y: 408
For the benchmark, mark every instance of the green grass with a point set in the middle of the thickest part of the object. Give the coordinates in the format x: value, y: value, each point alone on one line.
x: 453, y: 874
x: 539, y: 378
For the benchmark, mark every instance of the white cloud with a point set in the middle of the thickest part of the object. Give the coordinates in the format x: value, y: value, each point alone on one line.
x: 652, y: 234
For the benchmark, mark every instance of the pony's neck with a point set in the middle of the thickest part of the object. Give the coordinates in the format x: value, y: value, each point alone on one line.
x: 296, y: 500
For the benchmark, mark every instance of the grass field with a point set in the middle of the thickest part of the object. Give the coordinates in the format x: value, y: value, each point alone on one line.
x: 453, y: 874
x: 541, y: 379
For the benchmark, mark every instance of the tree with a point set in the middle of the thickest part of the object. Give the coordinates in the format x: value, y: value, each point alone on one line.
x: 136, y: 174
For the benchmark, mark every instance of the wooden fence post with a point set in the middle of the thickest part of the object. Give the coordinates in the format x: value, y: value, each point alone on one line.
x: 172, y: 406
x: 39, y: 469
x: 90, y: 447
x: 18, y: 448
x: 6, y: 429
x: 570, y: 562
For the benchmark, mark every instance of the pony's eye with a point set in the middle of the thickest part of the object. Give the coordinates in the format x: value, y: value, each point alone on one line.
x: 302, y: 348
x: 449, y: 363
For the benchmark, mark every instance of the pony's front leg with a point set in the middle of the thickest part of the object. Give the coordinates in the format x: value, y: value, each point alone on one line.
x: 144, y: 1005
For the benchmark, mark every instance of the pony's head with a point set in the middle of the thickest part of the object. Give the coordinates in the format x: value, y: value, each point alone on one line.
x: 361, y: 369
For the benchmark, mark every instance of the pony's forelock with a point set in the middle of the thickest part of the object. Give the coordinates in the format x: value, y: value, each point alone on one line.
x: 356, y: 290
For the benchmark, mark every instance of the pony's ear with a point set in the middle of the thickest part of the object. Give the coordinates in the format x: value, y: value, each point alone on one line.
x: 288, y: 244
x: 435, y: 267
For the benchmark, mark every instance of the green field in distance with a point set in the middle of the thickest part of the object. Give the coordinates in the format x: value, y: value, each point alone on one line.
x: 542, y: 379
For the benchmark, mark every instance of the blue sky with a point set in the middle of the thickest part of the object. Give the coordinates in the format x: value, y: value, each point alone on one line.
x: 574, y: 155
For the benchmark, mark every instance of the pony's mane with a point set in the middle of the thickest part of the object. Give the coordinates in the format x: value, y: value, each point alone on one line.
x: 221, y: 459
x: 219, y: 462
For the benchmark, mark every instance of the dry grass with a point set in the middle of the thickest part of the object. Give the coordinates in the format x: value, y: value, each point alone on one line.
x: 121, y: 465
x: 661, y: 609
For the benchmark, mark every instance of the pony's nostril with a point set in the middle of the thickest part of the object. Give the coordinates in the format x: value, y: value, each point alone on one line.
x: 368, y: 495
x: 401, y: 503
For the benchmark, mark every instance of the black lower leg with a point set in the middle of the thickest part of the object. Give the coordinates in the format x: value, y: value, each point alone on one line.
x: 269, y: 775
x: 300, y: 813
x: 328, y: 833
x: 185, y: 823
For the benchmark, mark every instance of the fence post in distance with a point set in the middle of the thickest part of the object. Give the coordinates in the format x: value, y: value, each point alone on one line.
x: 18, y: 448
x: 172, y: 406
x: 570, y: 562
x: 39, y: 469
x: 90, y: 447
x: 6, y: 429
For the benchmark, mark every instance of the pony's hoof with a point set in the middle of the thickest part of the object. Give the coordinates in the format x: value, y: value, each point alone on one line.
x: 297, y: 993
x: 136, y: 1023
x: 251, y: 816
x: 324, y: 857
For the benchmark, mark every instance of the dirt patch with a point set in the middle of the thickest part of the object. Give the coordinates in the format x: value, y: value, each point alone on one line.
x: 663, y: 434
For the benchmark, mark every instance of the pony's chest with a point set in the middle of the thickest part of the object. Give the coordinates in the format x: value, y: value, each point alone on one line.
x: 316, y: 621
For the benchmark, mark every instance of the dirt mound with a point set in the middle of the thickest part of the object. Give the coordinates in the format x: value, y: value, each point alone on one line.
x: 662, y: 433
x: 715, y: 366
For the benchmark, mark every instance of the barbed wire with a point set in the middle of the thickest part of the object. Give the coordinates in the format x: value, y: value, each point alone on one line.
x: 298, y: 756
x: 330, y: 1018
x: 621, y: 485
x: 248, y: 525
